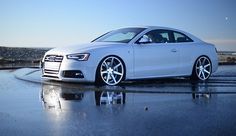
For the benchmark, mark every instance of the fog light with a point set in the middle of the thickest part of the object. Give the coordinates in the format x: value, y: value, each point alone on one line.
x: 73, y: 74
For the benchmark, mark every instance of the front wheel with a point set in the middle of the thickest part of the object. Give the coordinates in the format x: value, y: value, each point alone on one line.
x: 111, y: 70
x: 202, y: 68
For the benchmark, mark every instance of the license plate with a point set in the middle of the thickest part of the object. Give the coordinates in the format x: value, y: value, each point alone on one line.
x: 52, y: 65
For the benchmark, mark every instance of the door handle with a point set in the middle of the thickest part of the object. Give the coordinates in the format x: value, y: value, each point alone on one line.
x: 173, y: 50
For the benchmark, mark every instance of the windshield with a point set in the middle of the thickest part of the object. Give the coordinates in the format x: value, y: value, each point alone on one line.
x: 124, y: 35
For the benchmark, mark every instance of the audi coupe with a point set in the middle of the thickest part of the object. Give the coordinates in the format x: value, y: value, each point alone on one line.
x: 132, y: 53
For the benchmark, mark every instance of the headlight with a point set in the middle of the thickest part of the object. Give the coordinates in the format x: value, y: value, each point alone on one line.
x: 78, y: 56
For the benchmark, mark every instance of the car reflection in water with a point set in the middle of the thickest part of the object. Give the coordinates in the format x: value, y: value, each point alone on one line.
x: 67, y: 97
x: 201, y: 90
x: 52, y: 95
x: 202, y: 93
x: 58, y: 96
x: 108, y: 98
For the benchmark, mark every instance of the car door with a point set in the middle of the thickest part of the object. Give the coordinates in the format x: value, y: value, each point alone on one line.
x: 186, y: 48
x: 156, y: 57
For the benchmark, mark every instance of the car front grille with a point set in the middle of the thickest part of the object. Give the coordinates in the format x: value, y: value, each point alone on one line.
x: 53, y: 58
x: 52, y: 64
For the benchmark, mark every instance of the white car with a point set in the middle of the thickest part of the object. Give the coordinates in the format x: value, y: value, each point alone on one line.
x: 132, y: 53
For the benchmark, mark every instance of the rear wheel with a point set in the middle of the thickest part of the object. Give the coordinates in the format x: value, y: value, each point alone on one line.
x: 202, y: 68
x: 111, y: 70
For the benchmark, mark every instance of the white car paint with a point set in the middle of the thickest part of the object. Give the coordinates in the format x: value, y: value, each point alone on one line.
x: 141, y: 60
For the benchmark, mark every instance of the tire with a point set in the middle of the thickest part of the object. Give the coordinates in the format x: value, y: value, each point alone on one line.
x: 202, y: 69
x: 110, y: 71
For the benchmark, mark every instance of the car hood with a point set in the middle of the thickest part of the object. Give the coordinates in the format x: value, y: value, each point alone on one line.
x: 81, y: 48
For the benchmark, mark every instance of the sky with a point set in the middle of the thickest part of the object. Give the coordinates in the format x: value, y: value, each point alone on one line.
x: 53, y: 23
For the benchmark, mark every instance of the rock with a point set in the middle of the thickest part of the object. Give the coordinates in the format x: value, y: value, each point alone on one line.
x: 22, y: 54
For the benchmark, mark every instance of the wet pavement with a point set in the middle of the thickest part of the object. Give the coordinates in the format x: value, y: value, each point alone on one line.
x: 31, y: 106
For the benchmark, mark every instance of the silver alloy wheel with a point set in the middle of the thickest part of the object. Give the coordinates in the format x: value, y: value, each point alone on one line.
x: 112, y: 70
x: 203, y: 68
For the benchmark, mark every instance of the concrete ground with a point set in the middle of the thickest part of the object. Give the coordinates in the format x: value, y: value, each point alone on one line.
x: 31, y: 106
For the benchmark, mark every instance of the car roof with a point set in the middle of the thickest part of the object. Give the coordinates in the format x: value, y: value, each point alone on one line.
x: 153, y: 27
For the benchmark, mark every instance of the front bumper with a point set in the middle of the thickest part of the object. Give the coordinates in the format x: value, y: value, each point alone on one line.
x: 69, y: 70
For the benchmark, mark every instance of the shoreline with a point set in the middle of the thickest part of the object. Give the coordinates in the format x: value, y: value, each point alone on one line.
x: 11, y: 57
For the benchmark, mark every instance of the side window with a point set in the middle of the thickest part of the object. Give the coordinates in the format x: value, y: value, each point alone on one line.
x: 165, y: 36
x: 158, y: 36
x: 179, y: 37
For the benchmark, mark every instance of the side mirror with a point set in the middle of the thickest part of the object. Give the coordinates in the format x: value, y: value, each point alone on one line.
x: 145, y: 39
